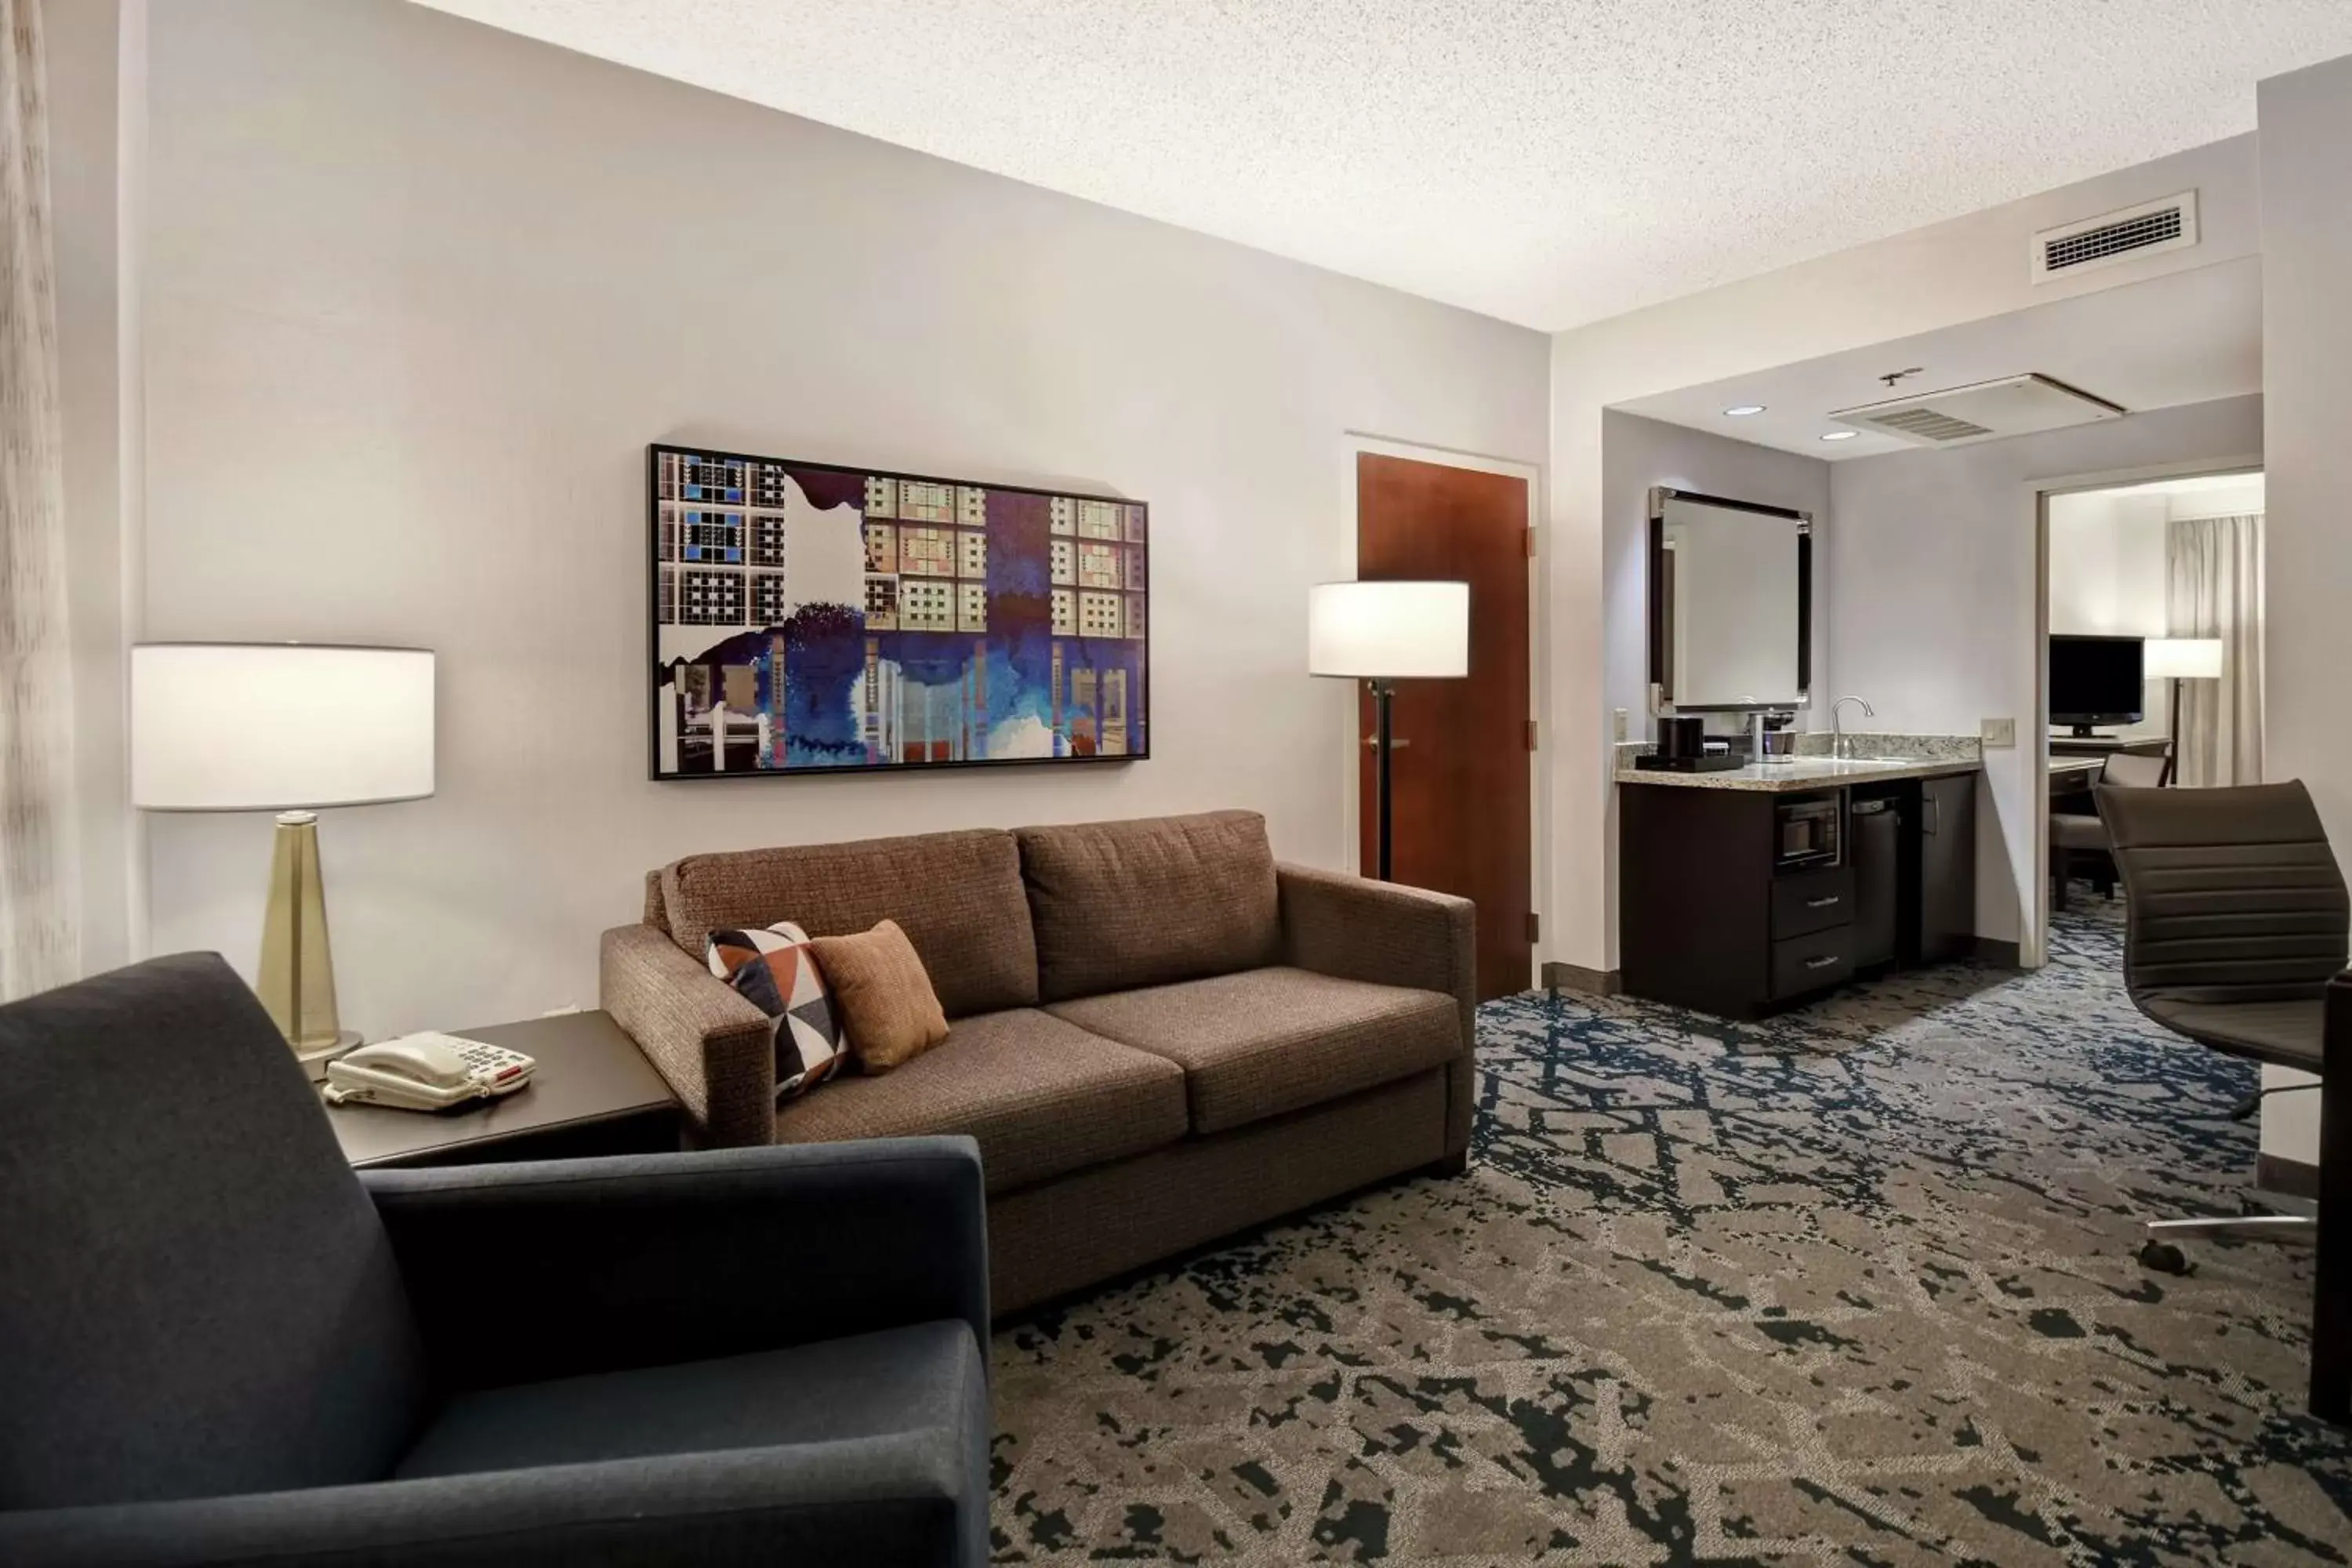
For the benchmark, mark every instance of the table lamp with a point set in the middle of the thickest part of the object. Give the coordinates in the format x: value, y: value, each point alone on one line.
x: 290, y: 728
x: 1383, y: 633
x: 2178, y: 659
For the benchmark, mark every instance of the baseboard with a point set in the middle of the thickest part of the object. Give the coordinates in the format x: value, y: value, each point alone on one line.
x: 2277, y: 1174
x: 1575, y: 978
x: 1993, y: 951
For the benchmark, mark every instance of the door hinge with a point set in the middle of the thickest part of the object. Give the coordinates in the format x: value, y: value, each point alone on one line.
x: 1530, y: 537
x: 1535, y: 923
x: 1531, y: 734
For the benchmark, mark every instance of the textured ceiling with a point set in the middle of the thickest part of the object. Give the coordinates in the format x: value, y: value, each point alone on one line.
x: 1551, y: 162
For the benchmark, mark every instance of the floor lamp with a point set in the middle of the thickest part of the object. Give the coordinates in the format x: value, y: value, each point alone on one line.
x: 1383, y: 633
x: 2178, y: 659
x: 290, y: 728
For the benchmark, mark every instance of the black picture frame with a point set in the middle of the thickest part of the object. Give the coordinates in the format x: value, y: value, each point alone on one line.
x: 655, y: 673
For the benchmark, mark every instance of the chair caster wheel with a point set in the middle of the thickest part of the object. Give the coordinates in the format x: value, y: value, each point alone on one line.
x: 2165, y: 1258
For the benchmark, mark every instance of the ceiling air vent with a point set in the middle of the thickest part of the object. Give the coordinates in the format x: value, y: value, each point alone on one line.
x: 2016, y: 405
x: 2143, y: 230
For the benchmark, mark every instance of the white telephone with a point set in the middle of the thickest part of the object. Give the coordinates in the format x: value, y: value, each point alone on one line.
x: 426, y: 1072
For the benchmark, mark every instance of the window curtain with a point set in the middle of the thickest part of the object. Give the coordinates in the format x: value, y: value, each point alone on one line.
x: 38, y: 931
x: 2214, y: 589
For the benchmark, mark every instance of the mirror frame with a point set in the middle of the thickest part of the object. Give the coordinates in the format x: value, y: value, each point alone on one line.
x: 1659, y: 706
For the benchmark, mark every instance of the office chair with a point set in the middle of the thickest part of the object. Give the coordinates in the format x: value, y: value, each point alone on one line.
x: 2074, y: 832
x: 2236, y: 918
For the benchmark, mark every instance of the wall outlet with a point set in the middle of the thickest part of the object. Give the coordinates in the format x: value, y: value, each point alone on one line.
x: 1999, y: 732
x: 1621, y: 723
x: 564, y: 1011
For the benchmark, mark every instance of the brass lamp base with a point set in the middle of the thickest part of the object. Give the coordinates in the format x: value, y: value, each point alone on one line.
x: 297, y: 968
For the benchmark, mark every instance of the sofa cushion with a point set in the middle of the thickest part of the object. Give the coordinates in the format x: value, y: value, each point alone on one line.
x: 771, y: 968
x: 958, y: 896
x: 1120, y: 904
x: 1270, y: 1040
x: 887, y: 1007
x: 1041, y: 1097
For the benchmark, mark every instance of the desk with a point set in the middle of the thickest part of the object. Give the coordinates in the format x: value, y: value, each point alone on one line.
x: 2331, y: 1303
x: 2106, y: 745
x: 2074, y: 775
x: 594, y: 1093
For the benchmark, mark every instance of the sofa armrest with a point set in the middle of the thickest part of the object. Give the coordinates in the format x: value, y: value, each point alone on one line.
x: 890, y: 1500
x: 716, y: 1049
x: 1357, y: 928
x: 550, y: 1268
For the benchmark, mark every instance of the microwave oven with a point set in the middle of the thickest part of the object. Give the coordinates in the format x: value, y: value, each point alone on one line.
x: 1808, y: 833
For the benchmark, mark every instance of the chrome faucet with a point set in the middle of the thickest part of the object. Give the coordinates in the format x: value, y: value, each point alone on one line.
x: 1837, y: 724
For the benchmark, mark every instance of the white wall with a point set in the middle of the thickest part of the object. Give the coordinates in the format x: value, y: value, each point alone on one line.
x: 2108, y: 567
x: 1933, y: 610
x: 2307, y: 125
x: 2306, y: 185
x: 422, y: 291
x: 1965, y: 271
x: 96, y: 154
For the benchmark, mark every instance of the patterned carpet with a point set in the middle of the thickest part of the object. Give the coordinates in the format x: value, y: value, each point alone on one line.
x: 1855, y: 1286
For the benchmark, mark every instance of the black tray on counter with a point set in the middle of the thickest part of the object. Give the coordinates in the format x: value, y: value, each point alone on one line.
x: 1711, y: 763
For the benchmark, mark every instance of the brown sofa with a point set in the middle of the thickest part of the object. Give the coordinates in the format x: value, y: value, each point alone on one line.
x: 1157, y: 1035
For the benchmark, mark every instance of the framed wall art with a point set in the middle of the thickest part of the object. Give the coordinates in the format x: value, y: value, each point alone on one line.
x: 808, y: 617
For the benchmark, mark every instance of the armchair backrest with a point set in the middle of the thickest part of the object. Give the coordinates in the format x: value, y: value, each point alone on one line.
x: 196, y: 1297
x: 2230, y: 895
x: 2132, y: 770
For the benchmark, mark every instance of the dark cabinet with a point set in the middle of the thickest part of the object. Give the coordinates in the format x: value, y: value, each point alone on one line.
x: 1948, y: 867
x: 1713, y: 914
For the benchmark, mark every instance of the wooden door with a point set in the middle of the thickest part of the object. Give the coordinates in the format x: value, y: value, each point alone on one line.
x: 1462, y: 809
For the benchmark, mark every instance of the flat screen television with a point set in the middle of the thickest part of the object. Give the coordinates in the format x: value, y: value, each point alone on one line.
x: 2096, y: 680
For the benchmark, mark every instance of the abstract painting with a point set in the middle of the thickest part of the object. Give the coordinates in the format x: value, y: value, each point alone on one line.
x: 814, y: 618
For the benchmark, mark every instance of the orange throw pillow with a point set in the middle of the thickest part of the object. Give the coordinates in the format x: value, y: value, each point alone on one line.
x: 883, y: 997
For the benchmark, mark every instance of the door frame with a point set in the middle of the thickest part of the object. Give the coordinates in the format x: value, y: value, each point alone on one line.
x: 1354, y: 443
x: 2033, y: 915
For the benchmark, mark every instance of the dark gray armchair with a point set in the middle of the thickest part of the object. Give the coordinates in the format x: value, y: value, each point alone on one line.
x: 217, y: 1345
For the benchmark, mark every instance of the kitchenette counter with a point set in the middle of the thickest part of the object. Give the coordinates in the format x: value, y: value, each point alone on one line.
x: 1801, y: 773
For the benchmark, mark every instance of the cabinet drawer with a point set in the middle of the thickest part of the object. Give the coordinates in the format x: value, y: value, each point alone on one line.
x: 1801, y: 964
x: 1815, y: 901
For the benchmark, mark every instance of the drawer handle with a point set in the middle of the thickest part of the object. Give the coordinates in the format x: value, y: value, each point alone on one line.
x: 1821, y: 903
x: 1820, y: 963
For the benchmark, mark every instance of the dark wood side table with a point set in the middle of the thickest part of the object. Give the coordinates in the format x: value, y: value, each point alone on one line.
x: 594, y: 1093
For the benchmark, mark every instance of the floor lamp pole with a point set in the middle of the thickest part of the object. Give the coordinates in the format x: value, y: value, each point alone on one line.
x: 2172, y: 742
x: 1383, y: 746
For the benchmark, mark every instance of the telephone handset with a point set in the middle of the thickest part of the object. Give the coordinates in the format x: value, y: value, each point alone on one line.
x: 427, y: 1072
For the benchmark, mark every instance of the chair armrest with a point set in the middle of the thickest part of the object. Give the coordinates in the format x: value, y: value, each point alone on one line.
x: 878, y: 1500
x: 548, y: 1269
x: 716, y: 1049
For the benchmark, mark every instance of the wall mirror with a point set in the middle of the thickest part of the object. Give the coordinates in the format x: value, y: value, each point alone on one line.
x: 1731, y: 604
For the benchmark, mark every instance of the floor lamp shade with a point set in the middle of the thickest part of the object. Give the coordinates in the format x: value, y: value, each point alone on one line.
x: 1389, y: 631
x: 2183, y: 658
x: 283, y: 727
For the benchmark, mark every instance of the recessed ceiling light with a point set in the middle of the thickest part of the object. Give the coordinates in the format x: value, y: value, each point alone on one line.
x: 1742, y: 411
x: 1840, y: 435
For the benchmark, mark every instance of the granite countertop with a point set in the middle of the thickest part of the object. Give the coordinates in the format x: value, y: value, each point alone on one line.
x: 1884, y: 757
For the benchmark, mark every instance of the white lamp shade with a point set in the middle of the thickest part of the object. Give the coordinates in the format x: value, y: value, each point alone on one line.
x: 275, y: 726
x: 1389, y: 631
x: 2183, y: 658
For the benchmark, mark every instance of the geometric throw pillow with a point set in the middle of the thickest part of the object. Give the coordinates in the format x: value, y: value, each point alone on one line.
x: 773, y: 971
